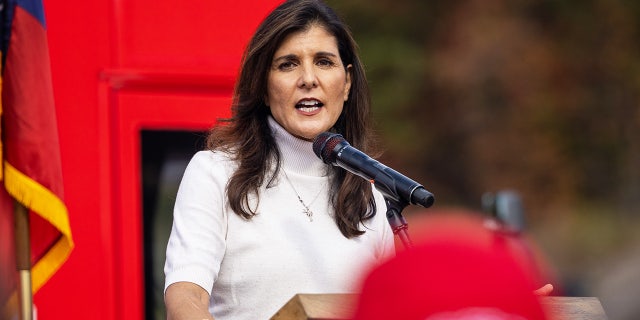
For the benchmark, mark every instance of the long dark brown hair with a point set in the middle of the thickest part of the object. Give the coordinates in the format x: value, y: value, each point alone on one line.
x: 247, y: 136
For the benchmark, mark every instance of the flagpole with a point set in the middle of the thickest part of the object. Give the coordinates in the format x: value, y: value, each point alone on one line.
x: 23, y: 261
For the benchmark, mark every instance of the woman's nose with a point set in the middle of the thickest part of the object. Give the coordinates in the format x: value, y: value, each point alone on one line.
x: 308, y: 78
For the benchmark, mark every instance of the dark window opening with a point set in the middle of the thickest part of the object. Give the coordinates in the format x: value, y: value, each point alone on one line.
x: 165, y: 155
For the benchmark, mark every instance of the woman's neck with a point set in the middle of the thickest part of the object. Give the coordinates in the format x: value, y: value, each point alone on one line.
x: 296, y: 154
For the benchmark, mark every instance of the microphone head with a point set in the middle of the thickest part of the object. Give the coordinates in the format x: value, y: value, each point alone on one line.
x: 324, y: 145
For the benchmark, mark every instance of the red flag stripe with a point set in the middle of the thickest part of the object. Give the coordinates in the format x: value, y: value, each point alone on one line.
x: 32, y: 169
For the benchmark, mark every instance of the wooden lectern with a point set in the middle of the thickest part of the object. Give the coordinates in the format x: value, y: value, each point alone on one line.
x: 339, y: 306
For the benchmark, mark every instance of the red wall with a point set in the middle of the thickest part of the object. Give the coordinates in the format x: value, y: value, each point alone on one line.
x: 119, y: 67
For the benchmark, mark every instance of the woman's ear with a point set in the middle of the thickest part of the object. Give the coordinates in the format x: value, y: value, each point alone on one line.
x: 347, y: 84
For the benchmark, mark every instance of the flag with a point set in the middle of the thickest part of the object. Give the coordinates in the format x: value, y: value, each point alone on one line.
x: 31, y: 166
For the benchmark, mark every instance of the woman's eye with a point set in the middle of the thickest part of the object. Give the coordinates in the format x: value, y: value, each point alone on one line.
x: 325, y: 63
x: 288, y: 65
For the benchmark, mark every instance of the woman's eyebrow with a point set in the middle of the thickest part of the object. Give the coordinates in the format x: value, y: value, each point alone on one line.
x: 290, y: 56
x: 326, y: 54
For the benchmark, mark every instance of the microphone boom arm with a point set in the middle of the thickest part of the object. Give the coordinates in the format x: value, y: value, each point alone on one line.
x: 397, y: 222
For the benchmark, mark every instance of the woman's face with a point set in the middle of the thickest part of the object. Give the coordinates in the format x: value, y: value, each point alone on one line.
x: 307, y: 83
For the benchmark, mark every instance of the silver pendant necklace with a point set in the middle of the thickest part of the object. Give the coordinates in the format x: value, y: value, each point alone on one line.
x: 307, y: 210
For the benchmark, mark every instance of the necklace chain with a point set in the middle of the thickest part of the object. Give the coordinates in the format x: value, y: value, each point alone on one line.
x: 307, y: 210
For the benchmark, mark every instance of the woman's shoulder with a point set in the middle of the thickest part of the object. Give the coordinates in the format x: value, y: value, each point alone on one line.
x: 215, y: 156
x: 380, y: 219
x: 213, y: 161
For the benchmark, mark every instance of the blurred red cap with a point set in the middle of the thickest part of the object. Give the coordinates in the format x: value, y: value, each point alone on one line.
x: 458, y: 269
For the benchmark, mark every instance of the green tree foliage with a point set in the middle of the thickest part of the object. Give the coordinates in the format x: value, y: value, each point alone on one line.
x: 481, y: 95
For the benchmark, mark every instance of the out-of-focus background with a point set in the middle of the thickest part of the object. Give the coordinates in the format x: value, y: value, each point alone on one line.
x: 539, y: 97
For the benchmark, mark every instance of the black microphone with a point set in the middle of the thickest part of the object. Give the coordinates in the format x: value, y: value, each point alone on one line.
x: 333, y: 149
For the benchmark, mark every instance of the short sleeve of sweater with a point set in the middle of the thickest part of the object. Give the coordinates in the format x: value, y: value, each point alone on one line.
x: 197, y: 242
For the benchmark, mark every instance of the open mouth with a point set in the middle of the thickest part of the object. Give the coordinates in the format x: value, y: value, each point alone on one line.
x: 309, y: 105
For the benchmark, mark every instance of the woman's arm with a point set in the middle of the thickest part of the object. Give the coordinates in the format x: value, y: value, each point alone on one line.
x: 187, y: 301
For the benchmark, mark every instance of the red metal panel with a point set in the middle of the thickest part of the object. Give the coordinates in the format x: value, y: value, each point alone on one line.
x: 132, y: 112
x: 190, y: 35
x: 78, y: 43
x: 118, y: 67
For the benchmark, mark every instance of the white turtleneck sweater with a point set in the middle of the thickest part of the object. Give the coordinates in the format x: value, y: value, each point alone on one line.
x: 251, y: 268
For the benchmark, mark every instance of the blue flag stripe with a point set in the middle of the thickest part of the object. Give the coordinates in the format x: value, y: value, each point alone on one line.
x: 35, y: 8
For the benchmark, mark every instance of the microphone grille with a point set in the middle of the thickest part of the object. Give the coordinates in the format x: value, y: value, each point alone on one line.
x: 324, y: 144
